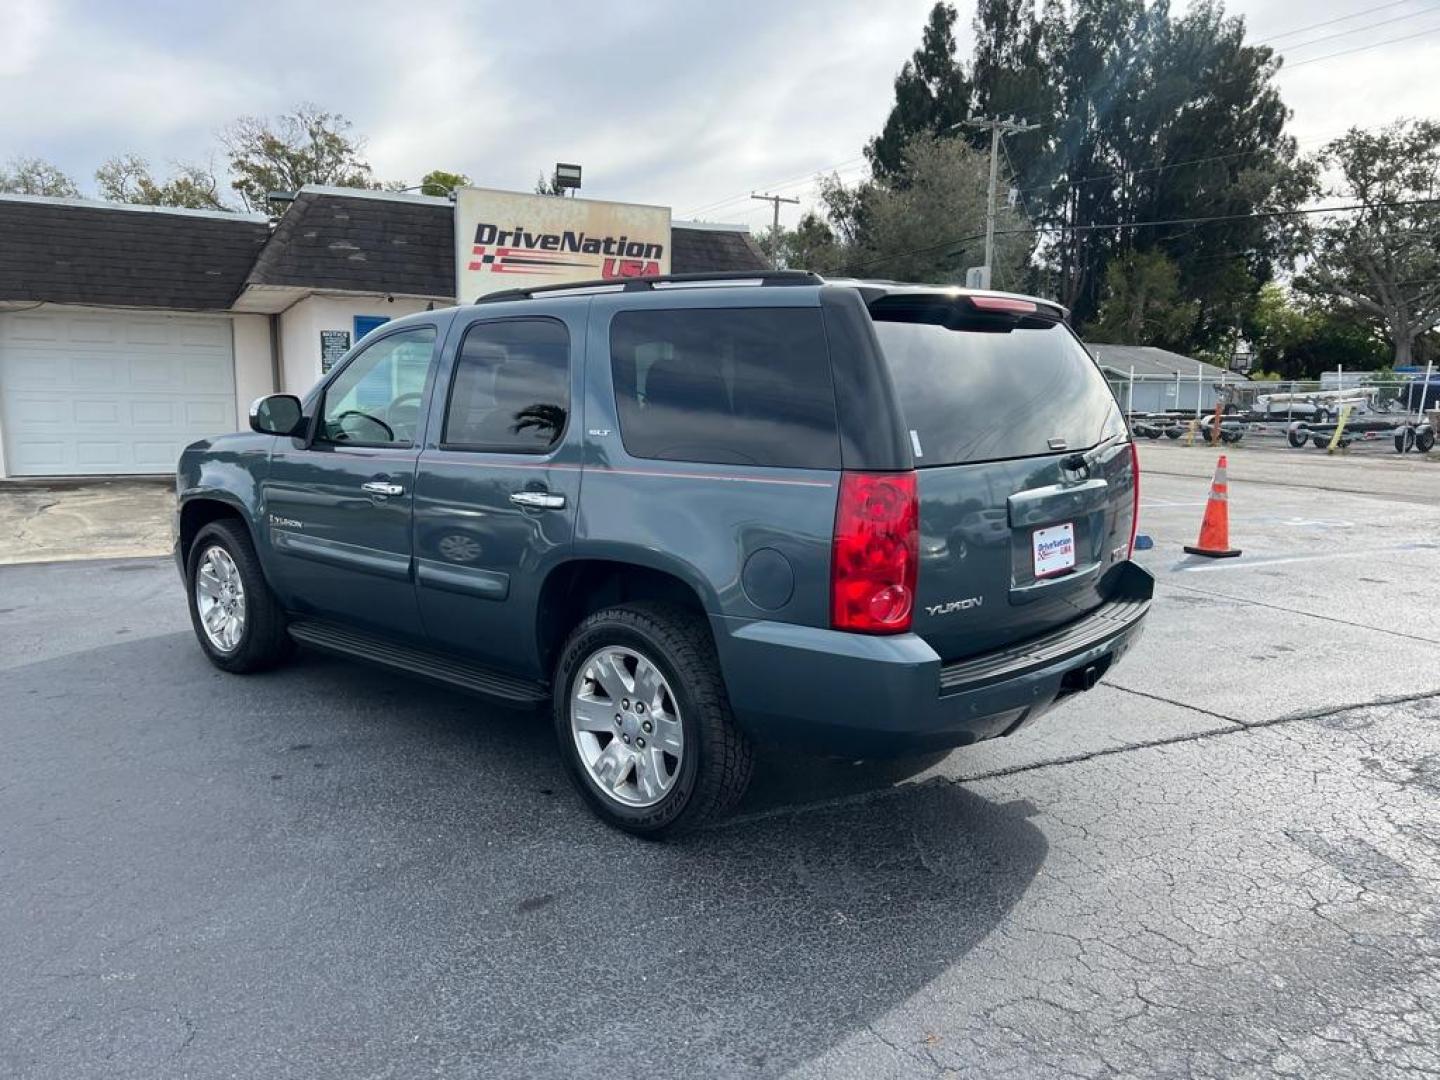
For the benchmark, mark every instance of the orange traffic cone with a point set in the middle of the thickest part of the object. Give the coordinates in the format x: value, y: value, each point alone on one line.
x: 1215, y: 528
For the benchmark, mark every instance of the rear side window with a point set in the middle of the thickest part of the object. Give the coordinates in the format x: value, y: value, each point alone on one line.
x: 742, y: 386
x: 511, y: 389
x: 982, y: 388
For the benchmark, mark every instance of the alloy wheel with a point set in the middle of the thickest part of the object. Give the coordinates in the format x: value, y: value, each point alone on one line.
x: 626, y: 726
x: 220, y: 599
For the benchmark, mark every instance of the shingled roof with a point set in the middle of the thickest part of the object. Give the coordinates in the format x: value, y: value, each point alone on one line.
x: 382, y: 242
x: 68, y: 251
x: 698, y: 248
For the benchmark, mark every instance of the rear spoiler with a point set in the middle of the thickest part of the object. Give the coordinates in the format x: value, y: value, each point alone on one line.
x: 989, y: 302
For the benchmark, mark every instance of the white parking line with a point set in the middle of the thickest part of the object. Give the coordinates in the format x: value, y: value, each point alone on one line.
x: 1277, y: 560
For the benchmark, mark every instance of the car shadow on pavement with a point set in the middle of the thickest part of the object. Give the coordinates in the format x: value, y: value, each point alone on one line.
x: 339, y: 871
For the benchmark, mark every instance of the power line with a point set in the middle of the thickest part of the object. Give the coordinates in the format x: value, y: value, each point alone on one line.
x: 1360, y: 48
x: 781, y: 184
x: 1174, y: 164
x: 1362, y: 29
x: 997, y: 126
x: 810, y: 177
x: 1014, y: 172
x: 1213, y: 219
x: 1332, y: 22
x: 775, y: 201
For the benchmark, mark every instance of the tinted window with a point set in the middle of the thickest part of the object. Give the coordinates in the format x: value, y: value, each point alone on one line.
x: 376, y: 400
x: 982, y: 388
x: 511, y: 390
x: 747, y: 386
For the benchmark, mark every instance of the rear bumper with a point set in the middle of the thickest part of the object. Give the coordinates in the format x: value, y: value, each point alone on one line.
x: 841, y: 693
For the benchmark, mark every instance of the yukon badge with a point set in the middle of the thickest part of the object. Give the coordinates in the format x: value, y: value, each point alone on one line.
x: 954, y: 606
x: 278, y: 522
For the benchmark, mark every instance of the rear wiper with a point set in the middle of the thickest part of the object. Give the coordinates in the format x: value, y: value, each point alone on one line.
x: 1081, y: 460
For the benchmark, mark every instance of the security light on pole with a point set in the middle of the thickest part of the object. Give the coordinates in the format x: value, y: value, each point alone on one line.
x: 567, y: 176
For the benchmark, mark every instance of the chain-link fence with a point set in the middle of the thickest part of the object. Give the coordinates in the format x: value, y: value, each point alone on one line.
x: 1338, y: 410
x: 1366, y: 394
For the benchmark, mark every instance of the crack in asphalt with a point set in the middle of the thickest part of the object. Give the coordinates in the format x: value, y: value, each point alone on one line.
x: 1238, y: 727
x: 1181, y: 704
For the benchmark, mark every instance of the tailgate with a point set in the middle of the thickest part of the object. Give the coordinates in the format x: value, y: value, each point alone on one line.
x: 1023, y: 464
x: 1012, y: 549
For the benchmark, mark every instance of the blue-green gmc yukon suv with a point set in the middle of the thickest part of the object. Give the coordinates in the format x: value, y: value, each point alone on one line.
x: 691, y: 515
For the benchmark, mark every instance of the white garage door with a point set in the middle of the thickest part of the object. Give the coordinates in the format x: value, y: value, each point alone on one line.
x: 88, y: 393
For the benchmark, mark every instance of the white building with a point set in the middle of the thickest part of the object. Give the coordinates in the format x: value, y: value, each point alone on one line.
x: 1158, y: 380
x: 127, y: 332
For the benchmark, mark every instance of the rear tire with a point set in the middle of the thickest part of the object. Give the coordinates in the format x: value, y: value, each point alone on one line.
x: 259, y: 637
x: 1425, y: 440
x: 1297, y: 437
x: 715, y: 760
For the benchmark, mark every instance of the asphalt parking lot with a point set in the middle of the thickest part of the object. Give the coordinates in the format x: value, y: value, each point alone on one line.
x: 1224, y: 861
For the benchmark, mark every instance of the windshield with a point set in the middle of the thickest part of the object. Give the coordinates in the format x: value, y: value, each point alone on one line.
x: 985, y: 387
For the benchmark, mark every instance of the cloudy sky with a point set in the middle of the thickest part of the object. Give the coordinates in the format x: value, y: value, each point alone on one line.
x: 690, y: 104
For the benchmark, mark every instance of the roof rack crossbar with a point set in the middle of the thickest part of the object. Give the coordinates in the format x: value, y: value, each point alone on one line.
x: 645, y: 284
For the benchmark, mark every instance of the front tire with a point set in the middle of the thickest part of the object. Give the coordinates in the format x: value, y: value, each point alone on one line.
x: 238, y: 622
x: 644, y: 724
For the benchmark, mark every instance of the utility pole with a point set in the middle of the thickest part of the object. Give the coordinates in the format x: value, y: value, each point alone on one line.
x: 775, y: 201
x: 998, y: 126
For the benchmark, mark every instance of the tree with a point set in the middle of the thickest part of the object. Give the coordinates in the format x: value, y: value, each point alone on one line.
x: 1143, y: 303
x: 927, y: 222
x: 931, y: 94
x: 1383, y: 261
x: 307, y: 146
x: 548, y: 185
x: 439, y: 183
x: 1009, y: 78
x: 811, y: 245
x: 127, y: 179
x: 32, y: 176
x: 1295, y: 337
x: 1145, y: 117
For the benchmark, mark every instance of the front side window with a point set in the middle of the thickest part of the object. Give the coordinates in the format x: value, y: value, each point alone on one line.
x: 511, y: 390
x: 743, y: 386
x: 376, y: 400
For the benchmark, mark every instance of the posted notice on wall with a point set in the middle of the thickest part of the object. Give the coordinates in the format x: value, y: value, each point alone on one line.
x: 334, y: 344
x: 508, y: 240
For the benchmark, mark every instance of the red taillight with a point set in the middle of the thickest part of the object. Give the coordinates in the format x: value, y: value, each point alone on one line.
x: 1004, y: 303
x: 1135, y: 483
x: 876, y: 553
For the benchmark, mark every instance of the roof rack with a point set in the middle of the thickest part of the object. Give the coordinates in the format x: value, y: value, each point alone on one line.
x: 645, y: 284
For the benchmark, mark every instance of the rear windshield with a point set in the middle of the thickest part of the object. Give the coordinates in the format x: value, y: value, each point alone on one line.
x: 746, y: 386
x: 981, y: 388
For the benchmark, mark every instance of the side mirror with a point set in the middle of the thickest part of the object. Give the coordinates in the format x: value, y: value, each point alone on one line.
x: 277, y: 414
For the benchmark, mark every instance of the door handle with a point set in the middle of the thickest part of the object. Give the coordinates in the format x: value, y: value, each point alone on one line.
x: 538, y: 500
x: 382, y: 487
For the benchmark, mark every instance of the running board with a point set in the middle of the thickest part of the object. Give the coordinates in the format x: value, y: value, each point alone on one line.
x: 441, y: 667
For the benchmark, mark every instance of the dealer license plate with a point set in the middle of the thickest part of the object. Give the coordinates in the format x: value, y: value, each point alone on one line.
x: 1054, y: 549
